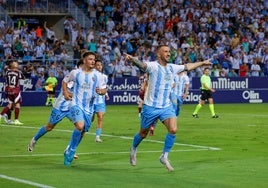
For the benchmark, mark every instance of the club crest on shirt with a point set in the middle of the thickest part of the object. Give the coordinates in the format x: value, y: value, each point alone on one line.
x: 168, y: 77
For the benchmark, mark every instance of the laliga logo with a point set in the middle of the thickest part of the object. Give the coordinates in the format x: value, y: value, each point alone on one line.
x: 3, y: 100
x: 252, y: 96
x: 26, y: 84
x: 2, y: 86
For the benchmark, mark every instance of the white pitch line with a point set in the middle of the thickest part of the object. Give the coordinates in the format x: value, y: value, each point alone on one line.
x: 125, y: 137
x: 200, y: 148
x: 98, y: 153
x: 25, y: 181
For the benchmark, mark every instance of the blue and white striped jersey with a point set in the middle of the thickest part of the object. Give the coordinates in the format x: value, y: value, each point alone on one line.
x: 180, y: 82
x: 60, y: 103
x: 84, y: 88
x: 100, y: 99
x: 160, y: 80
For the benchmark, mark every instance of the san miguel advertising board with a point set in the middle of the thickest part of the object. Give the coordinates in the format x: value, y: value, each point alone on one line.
x: 124, y: 91
x: 228, y: 90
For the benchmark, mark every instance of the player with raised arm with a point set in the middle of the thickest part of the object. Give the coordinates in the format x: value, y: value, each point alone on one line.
x: 157, y: 103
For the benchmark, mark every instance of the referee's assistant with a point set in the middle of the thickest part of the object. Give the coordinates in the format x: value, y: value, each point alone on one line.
x: 206, y: 94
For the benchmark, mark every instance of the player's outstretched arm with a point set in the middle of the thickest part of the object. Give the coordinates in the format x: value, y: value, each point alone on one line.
x: 191, y: 66
x: 142, y: 66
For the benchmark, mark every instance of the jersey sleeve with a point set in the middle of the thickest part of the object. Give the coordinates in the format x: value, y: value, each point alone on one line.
x: 151, y: 66
x: 177, y: 68
x: 187, y: 80
x: 69, y: 77
x: 102, y: 84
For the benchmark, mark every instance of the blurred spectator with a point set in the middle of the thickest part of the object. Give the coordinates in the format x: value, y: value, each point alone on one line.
x: 215, y: 71
x: 39, y: 32
x: 74, y: 35
x: 92, y: 16
x: 110, y: 69
x: 25, y: 45
x: 118, y: 69
x: 232, y: 73
x: 235, y: 41
x: 39, y: 49
x: 50, y: 34
x: 135, y: 71
x: 64, y: 56
x: 110, y: 25
x: 67, y: 24
x: 92, y: 46
x: 21, y: 22
x: 223, y: 73
x: 77, y: 52
x: 15, y: 54
x: 243, y: 72
x: 80, y: 41
x: 90, y: 35
x: 65, y: 71
x: 27, y: 57
x: 236, y: 62
x: 17, y: 46
x: 126, y: 72
x: 40, y: 69
x: 255, y: 69
x: 27, y: 70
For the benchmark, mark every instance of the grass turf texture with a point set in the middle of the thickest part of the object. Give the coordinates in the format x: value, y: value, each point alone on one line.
x: 240, y: 135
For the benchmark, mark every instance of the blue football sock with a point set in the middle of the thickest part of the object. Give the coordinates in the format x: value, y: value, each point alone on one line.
x: 82, y: 135
x: 137, y: 140
x: 75, y: 139
x: 40, y: 133
x: 178, y: 111
x: 169, y: 142
x: 98, y: 131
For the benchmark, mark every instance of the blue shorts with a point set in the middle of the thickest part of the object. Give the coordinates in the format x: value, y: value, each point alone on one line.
x: 180, y: 100
x: 56, y: 116
x: 176, y: 100
x: 77, y: 114
x: 100, y: 107
x: 149, y: 115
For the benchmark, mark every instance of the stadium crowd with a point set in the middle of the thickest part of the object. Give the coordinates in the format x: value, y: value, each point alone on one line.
x: 232, y: 33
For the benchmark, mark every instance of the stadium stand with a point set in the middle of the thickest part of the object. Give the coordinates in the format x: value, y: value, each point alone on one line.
x: 232, y: 33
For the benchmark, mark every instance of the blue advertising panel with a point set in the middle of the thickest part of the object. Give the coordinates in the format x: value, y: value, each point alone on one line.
x: 234, y: 83
x: 123, y: 91
x: 232, y: 96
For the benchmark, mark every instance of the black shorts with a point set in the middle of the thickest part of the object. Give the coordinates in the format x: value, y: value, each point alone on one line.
x: 205, y: 94
x: 53, y: 92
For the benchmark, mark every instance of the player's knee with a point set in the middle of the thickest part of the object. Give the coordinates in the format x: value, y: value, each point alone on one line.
x: 173, y: 130
x: 80, y: 127
x: 143, y: 134
x: 49, y: 127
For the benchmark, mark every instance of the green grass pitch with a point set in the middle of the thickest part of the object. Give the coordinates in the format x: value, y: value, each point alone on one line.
x: 229, y: 152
